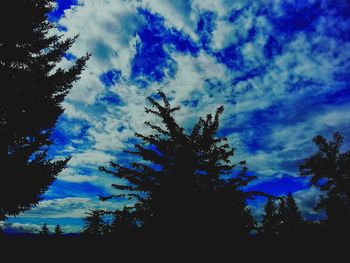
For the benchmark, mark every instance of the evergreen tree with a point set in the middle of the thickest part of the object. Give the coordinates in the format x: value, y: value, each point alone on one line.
x: 329, y: 170
x: 58, y: 231
x: 44, y: 230
x: 295, y: 221
x: 124, y: 222
x: 290, y: 220
x: 282, y: 216
x: 33, y: 87
x: 107, y: 228
x: 94, y: 223
x: 183, y: 182
x: 270, y: 219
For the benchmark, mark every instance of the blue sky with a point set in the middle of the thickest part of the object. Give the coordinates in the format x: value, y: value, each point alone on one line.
x: 280, y: 68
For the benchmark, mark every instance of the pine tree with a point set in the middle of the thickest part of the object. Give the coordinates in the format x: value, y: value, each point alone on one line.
x: 270, y: 221
x: 44, y: 230
x: 329, y: 170
x: 282, y: 218
x: 183, y: 182
x: 282, y: 215
x: 32, y: 89
x: 295, y: 221
x: 124, y: 222
x: 94, y: 223
x: 58, y: 231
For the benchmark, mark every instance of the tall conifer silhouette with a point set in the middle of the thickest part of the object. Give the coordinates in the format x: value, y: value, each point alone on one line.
x: 183, y: 181
x: 282, y: 217
x: 270, y: 221
x: 295, y: 221
x: 32, y: 89
x: 94, y: 223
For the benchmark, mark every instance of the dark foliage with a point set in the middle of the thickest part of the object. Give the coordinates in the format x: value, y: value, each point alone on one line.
x: 124, y: 223
x: 294, y: 218
x: 184, y: 182
x: 270, y: 219
x: 329, y: 170
x: 32, y: 89
x: 94, y: 223
x: 44, y: 231
x: 282, y: 217
x: 58, y: 231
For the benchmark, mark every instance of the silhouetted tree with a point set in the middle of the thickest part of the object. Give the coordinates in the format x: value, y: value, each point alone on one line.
x: 294, y: 217
x: 329, y: 170
x: 44, y: 230
x: 282, y: 214
x: 58, y: 231
x: 32, y: 89
x: 124, y: 222
x: 94, y: 223
x: 282, y: 218
x: 270, y: 221
x: 2, y: 234
x: 184, y: 181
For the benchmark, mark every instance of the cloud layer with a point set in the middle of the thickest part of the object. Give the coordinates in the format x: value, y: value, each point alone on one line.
x: 280, y: 68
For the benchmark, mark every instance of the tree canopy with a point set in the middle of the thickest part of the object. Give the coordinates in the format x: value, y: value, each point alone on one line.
x: 33, y: 85
x: 329, y: 171
x: 184, y: 181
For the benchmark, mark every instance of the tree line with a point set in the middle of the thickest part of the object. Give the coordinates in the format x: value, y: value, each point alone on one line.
x: 185, y: 184
x: 181, y: 183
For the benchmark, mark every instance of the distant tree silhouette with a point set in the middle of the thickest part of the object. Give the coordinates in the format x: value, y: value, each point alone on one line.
x: 94, y: 223
x: 44, y: 230
x: 329, y: 170
x: 282, y: 217
x: 32, y: 89
x: 270, y: 221
x: 282, y: 214
x: 294, y: 218
x: 2, y: 234
x: 124, y: 222
x: 58, y: 231
x: 184, y: 181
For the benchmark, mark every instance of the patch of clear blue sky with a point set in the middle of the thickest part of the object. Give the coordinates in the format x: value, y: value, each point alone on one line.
x: 62, y: 5
x: 205, y: 28
x: 111, y: 77
x: 62, y: 189
x: 152, y: 58
x: 63, y: 135
x: 281, y: 185
x: 70, y: 56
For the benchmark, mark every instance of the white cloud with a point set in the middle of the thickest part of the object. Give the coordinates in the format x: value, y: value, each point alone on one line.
x: 307, y: 200
x: 178, y: 14
x: 90, y: 158
x: 20, y: 227
x: 70, y: 175
x: 36, y: 228
x: 220, y: 7
x: 108, y: 34
x: 69, y: 207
